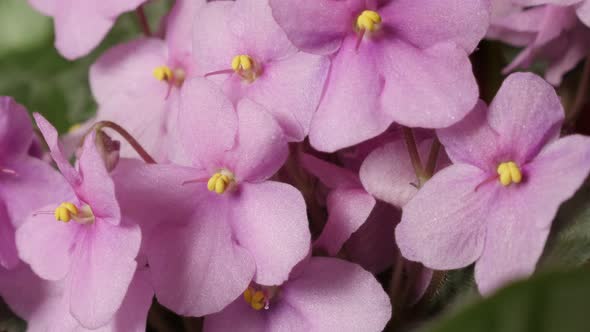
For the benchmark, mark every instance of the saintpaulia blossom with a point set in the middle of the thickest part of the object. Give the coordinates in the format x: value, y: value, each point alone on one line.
x: 582, y: 7
x: 26, y: 183
x: 217, y: 223
x: 41, y: 303
x: 325, y: 294
x: 548, y: 32
x: 80, y: 238
x: 238, y: 44
x: 81, y: 25
x: 136, y: 84
x: 495, y: 204
x: 401, y: 61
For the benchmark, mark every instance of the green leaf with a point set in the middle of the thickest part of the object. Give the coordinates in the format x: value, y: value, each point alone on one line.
x: 550, y: 302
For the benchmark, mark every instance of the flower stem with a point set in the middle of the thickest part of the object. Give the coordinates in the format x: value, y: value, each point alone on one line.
x: 414, y: 155
x: 143, y: 21
x: 581, y: 95
x: 432, y: 158
x: 128, y: 137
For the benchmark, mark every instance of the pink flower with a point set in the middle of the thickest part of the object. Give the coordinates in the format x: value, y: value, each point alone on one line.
x: 548, y: 32
x: 403, y: 61
x: 217, y: 223
x: 495, y: 204
x: 137, y: 84
x: 326, y: 294
x: 26, y: 183
x: 242, y: 43
x: 81, y: 25
x: 90, y: 247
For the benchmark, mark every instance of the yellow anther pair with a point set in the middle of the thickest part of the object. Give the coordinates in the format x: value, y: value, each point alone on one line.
x: 255, y: 298
x: 220, y: 182
x: 65, y: 211
x: 246, y: 67
x: 368, y: 20
x: 509, y: 173
x: 163, y: 73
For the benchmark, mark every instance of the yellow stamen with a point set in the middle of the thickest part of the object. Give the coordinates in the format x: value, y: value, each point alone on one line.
x: 368, y: 20
x: 246, y: 67
x: 67, y: 211
x: 255, y: 298
x: 509, y: 173
x: 220, y: 182
x: 163, y: 73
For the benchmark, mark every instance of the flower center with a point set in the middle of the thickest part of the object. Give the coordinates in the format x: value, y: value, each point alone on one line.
x: 259, y: 297
x: 174, y: 76
x: 509, y: 173
x: 368, y: 20
x: 67, y: 211
x: 246, y: 67
x: 221, y: 182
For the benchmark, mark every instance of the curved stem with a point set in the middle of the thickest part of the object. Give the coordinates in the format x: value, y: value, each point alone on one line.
x: 128, y: 137
x: 143, y: 21
x: 581, y: 94
x: 414, y: 154
x: 432, y: 158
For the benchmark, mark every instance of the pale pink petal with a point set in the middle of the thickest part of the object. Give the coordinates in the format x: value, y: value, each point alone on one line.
x: 46, y: 7
x: 583, y: 11
x: 16, y: 131
x: 179, y: 26
x: 442, y: 225
x: 329, y: 174
x: 102, y: 269
x: 238, y: 317
x: 526, y: 113
x: 269, y: 220
x: 335, y: 295
x: 425, y: 23
x: 8, y: 254
x: 348, y: 209
x: 132, y: 316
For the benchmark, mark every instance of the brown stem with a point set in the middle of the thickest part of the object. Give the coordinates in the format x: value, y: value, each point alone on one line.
x: 143, y: 21
x: 414, y: 154
x: 128, y: 137
x: 432, y: 158
x: 581, y: 94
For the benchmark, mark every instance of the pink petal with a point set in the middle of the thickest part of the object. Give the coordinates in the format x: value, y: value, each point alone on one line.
x: 46, y: 7
x: 51, y: 137
x: 269, y: 220
x: 210, y: 270
x: 238, y: 316
x: 329, y: 174
x: 103, y: 267
x: 350, y: 111
x: 179, y: 26
x: 348, y: 209
x: 526, y: 113
x: 430, y: 88
x: 290, y: 89
x: 16, y: 131
x: 577, y: 45
x: 207, y: 123
x: 583, y: 11
x: 472, y: 140
x: 442, y: 225
x: 316, y: 26
x: 132, y: 316
x: 425, y: 23
x: 97, y: 188
x: 46, y: 244
x: 335, y: 295
x: 8, y: 254
x: 260, y: 149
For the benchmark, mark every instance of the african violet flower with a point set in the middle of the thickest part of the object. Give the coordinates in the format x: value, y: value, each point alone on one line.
x: 548, y: 32
x: 81, y: 25
x: 323, y: 294
x: 218, y: 223
x: 26, y: 183
x: 41, y: 303
x: 81, y: 238
x: 403, y: 61
x: 136, y: 84
x: 495, y: 204
x: 252, y: 57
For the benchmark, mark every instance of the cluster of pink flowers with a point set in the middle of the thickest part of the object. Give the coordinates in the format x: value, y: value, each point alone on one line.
x: 253, y: 118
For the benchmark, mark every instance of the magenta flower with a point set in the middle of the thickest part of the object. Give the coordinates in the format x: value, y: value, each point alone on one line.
x: 136, y: 84
x: 326, y: 294
x: 26, y: 183
x: 218, y: 223
x: 252, y: 57
x: 401, y: 61
x: 81, y: 25
x: 495, y: 204
x: 81, y: 238
x: 550, y: 32
x: 41, y: 303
